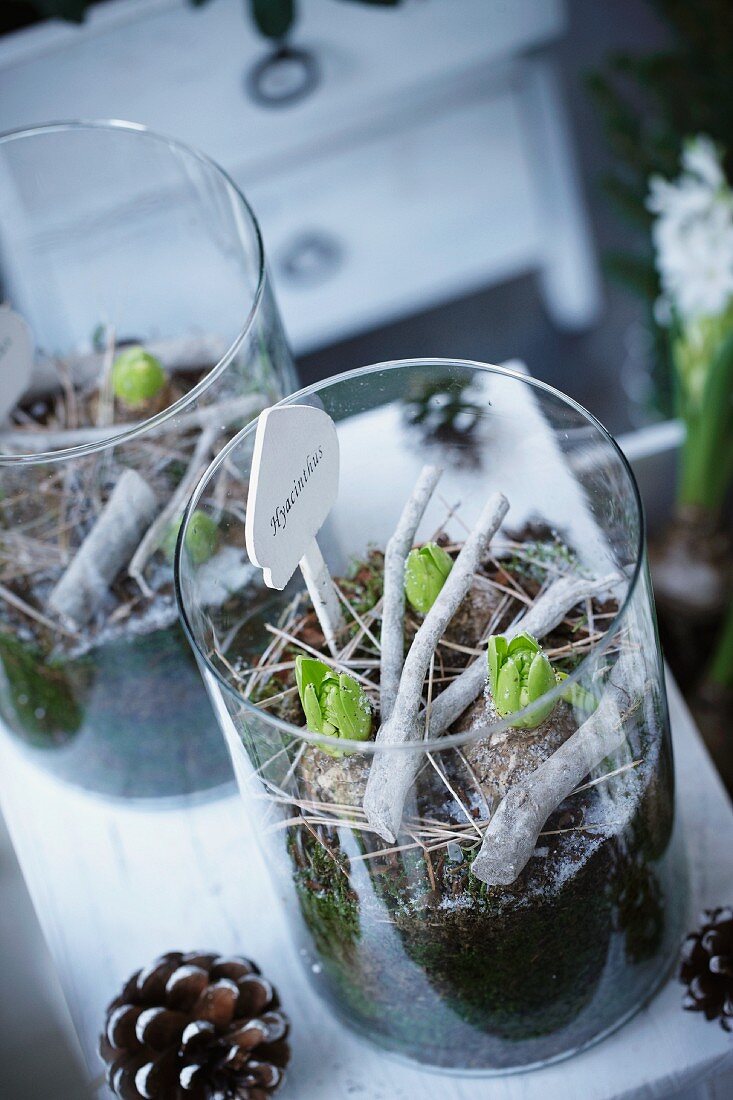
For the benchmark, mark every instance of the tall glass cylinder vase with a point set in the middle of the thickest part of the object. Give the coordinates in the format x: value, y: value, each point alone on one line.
x: 494, y: 879
x: 138, y: 334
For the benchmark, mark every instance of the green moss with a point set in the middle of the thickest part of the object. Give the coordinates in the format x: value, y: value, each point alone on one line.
x: 39, y: 700
x: 540, y: 554
x: 130, y: 718
x: 432, y: 959
x: 514, y: 969
x: 330, y: 907
x: 330, y: 910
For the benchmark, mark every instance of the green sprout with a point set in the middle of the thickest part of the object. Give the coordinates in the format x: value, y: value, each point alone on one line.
x: 578, y: 696
x: 202, y: 537
x: 519, y: 674
x: 426, y: 571
x: 334, y: 704
x: 137, y: 376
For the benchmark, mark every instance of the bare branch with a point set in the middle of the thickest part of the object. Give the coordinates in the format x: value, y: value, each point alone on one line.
x: 393, y: 605
x: 512, y: 833
x: 386, y: 789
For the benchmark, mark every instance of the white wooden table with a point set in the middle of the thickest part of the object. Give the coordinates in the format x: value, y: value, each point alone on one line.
x: 114, y: 885
x: 432, y: 159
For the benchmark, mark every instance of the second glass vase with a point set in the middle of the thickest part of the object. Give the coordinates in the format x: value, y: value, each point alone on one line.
x: 136, y: 275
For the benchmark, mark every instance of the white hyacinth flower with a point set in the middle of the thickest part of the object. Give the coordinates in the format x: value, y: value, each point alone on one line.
x: 693, y: 235
x: 700, y: 158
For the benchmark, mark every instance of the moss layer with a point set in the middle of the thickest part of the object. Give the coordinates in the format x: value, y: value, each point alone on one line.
x: 443, y: 968
x: 129, y: 719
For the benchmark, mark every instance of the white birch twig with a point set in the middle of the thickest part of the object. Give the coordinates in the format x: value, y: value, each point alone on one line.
x: 542, y: 617
x: 154, y: 535
x: 323, y: 595
x: 384, y: 795
x: 106, y: 406
x: 393, y: 604
x: 561, y: 597
x: 222, y: 414
x: 511, y: 835
x: 106, y: 549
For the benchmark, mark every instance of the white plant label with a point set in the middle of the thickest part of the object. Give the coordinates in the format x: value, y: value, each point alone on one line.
x: 293, y: 486
x: 16, y: 360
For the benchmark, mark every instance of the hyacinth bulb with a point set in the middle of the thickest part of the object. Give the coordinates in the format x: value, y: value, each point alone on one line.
x: 137, y: 376
x: 202, y: 538
x: 519, y: 674
x: 333, y: 703
x: 426, y: 571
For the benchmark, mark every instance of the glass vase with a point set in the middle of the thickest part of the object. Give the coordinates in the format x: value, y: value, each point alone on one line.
x: 402, y: 937
x: 119, y: 250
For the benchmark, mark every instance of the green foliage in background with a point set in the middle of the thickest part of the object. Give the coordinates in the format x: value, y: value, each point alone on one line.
x: 650, y: 104
x: 71, y: 10
x: 720, y: 672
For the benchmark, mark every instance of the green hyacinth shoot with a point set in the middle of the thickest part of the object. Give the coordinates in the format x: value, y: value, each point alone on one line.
x: 520, y: 673
x: 202, y: 538
x: 137, y: 376
x: 334, y: 704
x: 426, y: 571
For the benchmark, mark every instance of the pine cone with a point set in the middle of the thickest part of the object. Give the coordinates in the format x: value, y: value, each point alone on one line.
x: 707, y: 967
x: 195, y: 1027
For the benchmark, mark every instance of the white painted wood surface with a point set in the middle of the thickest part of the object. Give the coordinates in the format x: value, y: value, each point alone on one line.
x: 174, y: 66
x: 432, y: 159
x: 115, y: 884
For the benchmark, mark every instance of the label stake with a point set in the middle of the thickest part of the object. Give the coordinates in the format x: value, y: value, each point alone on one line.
x: 293, y: 486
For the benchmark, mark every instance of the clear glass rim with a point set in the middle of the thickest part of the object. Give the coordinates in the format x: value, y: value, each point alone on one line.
x: 140, y: 427
x: 454, y: 740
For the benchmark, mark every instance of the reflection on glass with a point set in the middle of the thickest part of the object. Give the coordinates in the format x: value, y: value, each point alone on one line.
x: 134, y: 276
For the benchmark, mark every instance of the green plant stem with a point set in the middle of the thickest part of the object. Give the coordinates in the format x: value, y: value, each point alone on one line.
x: 703, y: 483
x: 707, y: 453
x: 720, y: 671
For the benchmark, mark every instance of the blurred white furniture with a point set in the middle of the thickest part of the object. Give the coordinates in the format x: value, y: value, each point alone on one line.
x: 432, y: 158
x: 115, y: 884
